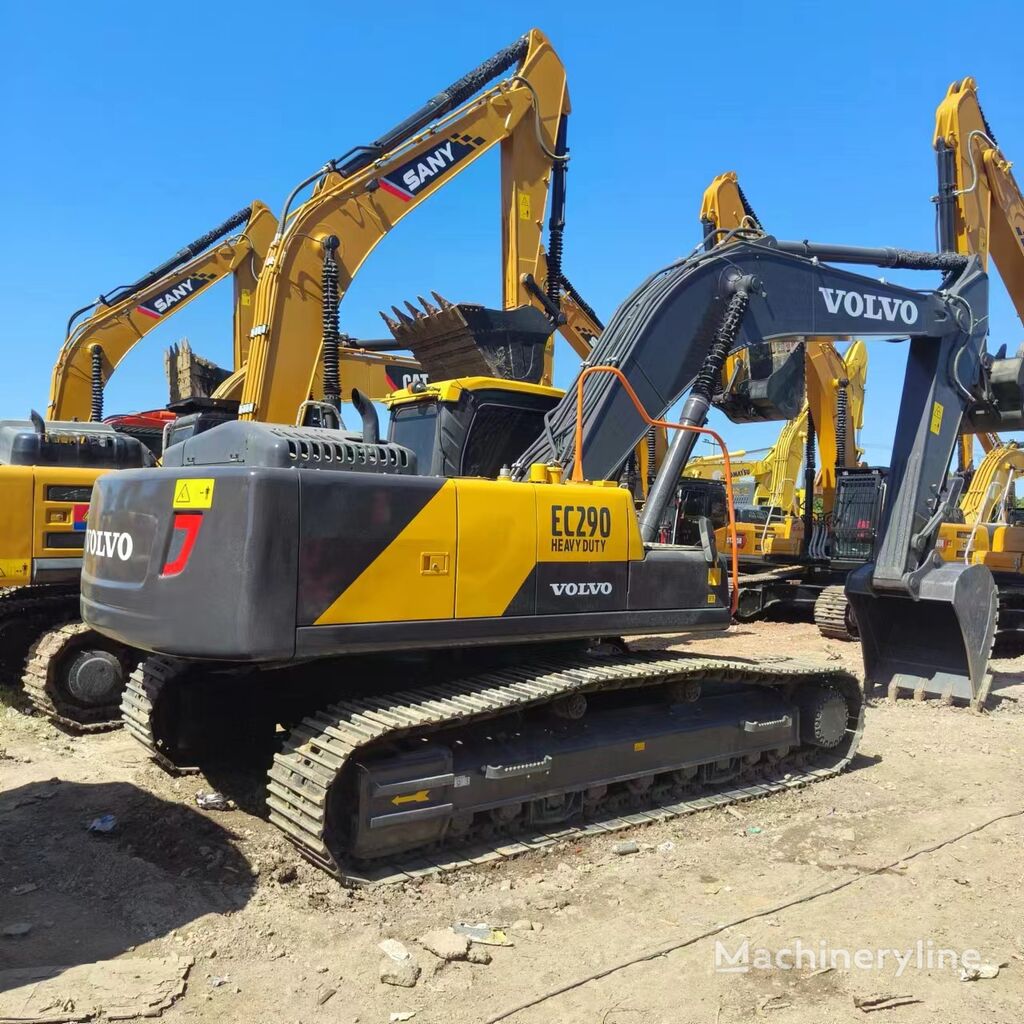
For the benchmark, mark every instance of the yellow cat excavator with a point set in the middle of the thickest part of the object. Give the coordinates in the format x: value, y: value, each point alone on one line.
x: 294, y: 357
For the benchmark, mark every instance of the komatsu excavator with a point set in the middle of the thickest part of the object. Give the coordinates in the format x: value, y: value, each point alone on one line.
x: 288, y: 346
x: 431, y: 618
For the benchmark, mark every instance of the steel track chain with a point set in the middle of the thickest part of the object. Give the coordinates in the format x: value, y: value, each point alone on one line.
x: 317, y: 751
x: 43, y: 655
x: 830, y: 613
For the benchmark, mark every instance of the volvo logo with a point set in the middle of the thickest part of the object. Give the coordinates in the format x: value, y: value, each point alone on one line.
x: 109, y: 544
x: 871, y: 307
x: 579, y: 589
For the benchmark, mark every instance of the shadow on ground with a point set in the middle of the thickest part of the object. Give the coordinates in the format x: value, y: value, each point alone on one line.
x: 89, y: 896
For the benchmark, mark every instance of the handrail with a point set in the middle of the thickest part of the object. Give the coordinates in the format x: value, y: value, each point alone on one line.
x: 577, y: 465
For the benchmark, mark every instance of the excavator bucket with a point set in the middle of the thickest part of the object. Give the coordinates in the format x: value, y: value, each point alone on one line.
x: 466, y: 340
x: 935, y: 645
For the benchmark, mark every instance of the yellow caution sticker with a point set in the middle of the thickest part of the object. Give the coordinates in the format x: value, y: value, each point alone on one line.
x: 936, y: 418
x: 638, y: 746
x: 419, y: 797
x: 714, y: 577
x: 245, y: 297
x: 711, y: 599
x: 524, y: 206
x: 196, y: 493
x: 14, y: 570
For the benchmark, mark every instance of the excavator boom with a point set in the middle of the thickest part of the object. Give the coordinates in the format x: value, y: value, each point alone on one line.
x: 117, y: 321
x: 750, y: 292
x: 362, y: 195
x: 980, y: 206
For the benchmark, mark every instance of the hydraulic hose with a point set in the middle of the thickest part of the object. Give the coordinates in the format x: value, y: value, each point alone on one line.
x: 183, y: 255
x: 448, y: 99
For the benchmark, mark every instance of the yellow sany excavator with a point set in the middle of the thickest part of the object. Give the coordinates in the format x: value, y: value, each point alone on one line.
x: 784, y: 551
x: 362, y: 194
x: 293, y: 358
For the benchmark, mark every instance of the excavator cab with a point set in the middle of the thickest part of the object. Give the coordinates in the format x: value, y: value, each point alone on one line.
x: 475, y: 426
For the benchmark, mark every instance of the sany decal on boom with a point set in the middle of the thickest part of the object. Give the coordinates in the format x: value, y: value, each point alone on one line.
x: 412, y: 176
x: 164, y: 301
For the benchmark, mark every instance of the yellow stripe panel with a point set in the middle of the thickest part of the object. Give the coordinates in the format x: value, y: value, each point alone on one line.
x: 497, y: 544
x: 414, y: 577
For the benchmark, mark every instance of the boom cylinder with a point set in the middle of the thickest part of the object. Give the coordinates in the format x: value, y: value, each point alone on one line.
x: 96, y: 384
x: 695, y: 411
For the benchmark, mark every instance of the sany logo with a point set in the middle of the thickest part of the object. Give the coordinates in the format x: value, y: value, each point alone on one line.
x: 871, y: 307
x: 408, y: 179
x: 160, y: 304
x: 108, y: 543
x: 580, y: 589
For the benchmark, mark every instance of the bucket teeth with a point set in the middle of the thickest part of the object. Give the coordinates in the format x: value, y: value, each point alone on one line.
x: 428, y: 307
x: 405, y: 319
x: 392, y: 325
x: 442, y: 301
x: 417, y: 313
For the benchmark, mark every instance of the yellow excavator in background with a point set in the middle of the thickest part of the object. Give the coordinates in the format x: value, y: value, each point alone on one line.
x: 991, y: 532
x: 293, y: 357
x: 101, y: 334
x: 770, y: 491
x: 783, y: 549
x: 980, y: 211
x: 359, y: 196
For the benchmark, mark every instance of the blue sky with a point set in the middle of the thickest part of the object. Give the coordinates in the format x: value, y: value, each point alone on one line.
x: 131, y: 129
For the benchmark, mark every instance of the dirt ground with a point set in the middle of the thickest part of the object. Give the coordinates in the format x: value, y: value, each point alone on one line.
x: 272, y: 943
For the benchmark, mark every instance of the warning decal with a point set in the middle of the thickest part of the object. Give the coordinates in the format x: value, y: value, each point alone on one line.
x: 193, y: 493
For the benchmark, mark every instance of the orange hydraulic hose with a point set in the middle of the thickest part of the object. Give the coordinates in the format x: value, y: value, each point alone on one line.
x: 577, y: 465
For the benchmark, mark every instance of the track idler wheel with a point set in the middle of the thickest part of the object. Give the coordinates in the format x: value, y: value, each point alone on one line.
x: 823, y: 716
x: 95, y: 678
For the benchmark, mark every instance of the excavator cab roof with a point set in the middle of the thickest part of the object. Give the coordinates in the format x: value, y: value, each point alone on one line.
x: 451, y: 390
x: 472, y: 426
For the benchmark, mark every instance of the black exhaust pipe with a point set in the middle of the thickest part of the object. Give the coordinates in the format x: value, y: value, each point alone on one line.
x: 366, y: 410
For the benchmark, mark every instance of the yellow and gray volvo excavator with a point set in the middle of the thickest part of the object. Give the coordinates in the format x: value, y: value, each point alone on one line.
x: 289, y: 351
x: 433, y: 618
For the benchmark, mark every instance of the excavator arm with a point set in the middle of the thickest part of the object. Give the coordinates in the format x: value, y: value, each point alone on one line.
x: 980, y: 206
x: 117, y: 321
x: 833, y: 383
x: 362, y: 195
x: 679, y: 327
